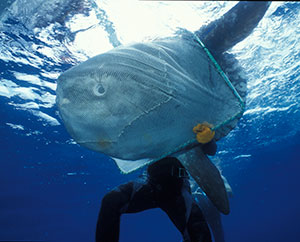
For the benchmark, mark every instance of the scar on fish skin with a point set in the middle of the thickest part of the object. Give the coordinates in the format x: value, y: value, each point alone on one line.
x: 105, y: 144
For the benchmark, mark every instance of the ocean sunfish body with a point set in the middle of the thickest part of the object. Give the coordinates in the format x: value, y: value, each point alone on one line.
x: 141, y: 101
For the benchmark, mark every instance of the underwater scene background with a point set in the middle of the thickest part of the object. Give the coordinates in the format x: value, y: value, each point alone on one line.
x: 51, y: 188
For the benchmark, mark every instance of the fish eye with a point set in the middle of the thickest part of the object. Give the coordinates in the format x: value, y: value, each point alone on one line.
x: 99, y: 90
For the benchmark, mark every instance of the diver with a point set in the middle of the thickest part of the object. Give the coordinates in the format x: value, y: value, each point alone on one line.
x: 166, y: 186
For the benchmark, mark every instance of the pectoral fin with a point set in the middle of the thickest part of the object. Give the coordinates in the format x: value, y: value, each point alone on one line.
x: 207, y: 176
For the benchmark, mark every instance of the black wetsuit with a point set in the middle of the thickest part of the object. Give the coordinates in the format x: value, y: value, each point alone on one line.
x: 166, y: 187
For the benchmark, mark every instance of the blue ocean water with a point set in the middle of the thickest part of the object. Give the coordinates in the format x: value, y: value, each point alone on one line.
x: 51, y: 188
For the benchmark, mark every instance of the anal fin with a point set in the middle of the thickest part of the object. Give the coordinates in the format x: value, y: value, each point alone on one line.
x: 207, y: 176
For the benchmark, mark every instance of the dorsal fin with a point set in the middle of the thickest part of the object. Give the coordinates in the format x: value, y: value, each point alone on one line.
x: 234, y: 26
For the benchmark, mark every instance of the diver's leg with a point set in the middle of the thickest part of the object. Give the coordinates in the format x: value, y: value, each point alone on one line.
x: 127, y: 198
x: 197, y: 227
x: 187, y: 217
x: 108, y: 224
x: 212, y: 216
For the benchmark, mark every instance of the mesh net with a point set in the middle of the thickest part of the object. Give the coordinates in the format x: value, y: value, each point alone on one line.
x: 141, y: 101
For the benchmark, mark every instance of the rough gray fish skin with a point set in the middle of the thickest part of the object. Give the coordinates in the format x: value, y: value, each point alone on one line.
x: 143, y: 100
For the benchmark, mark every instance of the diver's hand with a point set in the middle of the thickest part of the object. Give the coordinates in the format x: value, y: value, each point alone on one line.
x: 204, y: 132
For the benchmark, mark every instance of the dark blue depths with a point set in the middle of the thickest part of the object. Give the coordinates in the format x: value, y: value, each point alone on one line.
x: 52, y: 191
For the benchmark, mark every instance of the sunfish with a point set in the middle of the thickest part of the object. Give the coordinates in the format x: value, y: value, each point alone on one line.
x: 140, y: 102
